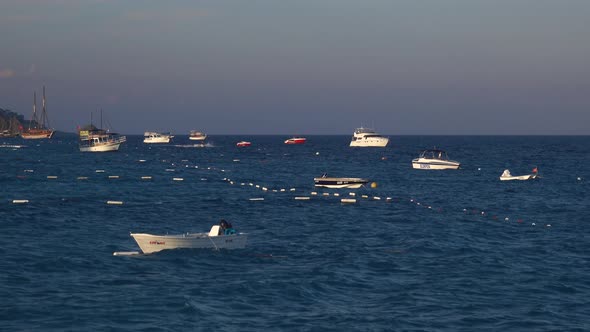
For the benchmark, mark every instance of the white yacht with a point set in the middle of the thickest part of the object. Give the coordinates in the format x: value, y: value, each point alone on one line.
x: 197, y: 136
x: 434, y: 159
x: 365, y: 137
x: 99, y: 140
x: 151, y: 137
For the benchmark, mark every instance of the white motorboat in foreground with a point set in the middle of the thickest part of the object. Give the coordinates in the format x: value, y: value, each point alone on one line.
x: 331, y: 182
x: 434, y: 159
x: 506, y: 176
x: 365, y: 137
x: 151, y: 137
x: 215, y: 239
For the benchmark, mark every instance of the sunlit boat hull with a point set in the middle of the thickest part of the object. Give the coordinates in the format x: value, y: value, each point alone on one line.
x: 434, y: 164
x: 37, y: 134
x: 149, y: 243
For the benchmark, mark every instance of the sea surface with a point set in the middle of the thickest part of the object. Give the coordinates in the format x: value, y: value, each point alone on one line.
x: 424, y: 251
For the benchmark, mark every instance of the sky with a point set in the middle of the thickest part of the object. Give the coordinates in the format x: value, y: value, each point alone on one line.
x: 296, y: 67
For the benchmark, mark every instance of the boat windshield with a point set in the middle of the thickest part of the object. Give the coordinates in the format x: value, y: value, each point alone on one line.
x: 364, y: 131
x: 434, y: 154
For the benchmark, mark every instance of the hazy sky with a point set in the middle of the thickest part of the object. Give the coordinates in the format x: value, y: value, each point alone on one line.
x: 302, y: 67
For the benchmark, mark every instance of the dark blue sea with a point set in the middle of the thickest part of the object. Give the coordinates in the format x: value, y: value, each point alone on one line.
x: 448, y: 251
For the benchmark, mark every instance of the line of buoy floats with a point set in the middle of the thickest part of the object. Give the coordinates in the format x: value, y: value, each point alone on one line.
x: 347, y: 200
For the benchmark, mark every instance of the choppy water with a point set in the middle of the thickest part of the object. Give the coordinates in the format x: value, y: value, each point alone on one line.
x: 452, y: 250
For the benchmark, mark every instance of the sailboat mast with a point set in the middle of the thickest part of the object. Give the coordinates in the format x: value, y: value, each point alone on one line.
x: 34, y: 117
x: 101, y: 118
x: 44, y: 118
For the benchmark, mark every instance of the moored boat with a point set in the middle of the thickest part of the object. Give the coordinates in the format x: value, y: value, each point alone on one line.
x: 366, y: 137
x: 434, y: 159
x: 295, y: 140
x: 334, y: 182
x: 243, y: 144
x: 94, y: 139
x: 217, y: 238
x: 197, y: 136
x: 151, y: 137
x: 507, y: 176
x: 38, y: 129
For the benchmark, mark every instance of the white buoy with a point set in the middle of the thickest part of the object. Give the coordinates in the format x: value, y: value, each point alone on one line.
x: 169, y: 169
x: 146, y: 177
x: 257, y: 199
x: 236, y: 160
x: 377, y: 198
x: 82, y: 178
x: 479, y: 169
x: 231, y: 182
x: 283, y: 190
x: 52, y: 177
x: 264, y: 188
x: 506, y: 219
x: 31, y: 171
x: 242, y: 184
x: 250, y: 184
x: 579, y: 178
x: 113, y: 176
x: 257, y: 186
x: 142, y: 160
x: 388, y: 199
x: 336, y: 194
x: 20, y: 201
x: 115, y: 202
x: 548, y: 225
x: 302, y: 198
x: 203, y: 179
x: 99, y: 171
x: 348, y: 200
x: 126, y: 253
x: 275, y: 191
x: 365, y: 196
x: 352, y: 194
x: 326, y: 194
x: 177, y: 179
x: 292, y: 189
x: 317, y: 153
x: 533, y: 224
x: 313, y: 193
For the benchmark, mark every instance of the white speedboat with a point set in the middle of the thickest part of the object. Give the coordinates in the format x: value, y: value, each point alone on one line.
x: 434, y: 159
x: 215, y: 239
x: 197, y: 136
x: 506, y: 176
x: 331, y: 182
x: 365, y: 137
x: 151, y: 137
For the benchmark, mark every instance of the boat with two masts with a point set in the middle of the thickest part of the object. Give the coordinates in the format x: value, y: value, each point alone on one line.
x: 366, y: 137
x: 434, y: 159
x: 38, y: 129
x: 197, y: 136
x: 152, y: 137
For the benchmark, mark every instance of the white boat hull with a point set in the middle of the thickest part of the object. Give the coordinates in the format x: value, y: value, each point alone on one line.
x: 375, y: 142
x: 518, y: 177
x: 327, y: 182
x: 433, y: 164
x: 107, y: 147
x: 197, y: 138
x: 157, y: 140
x: 149, y: 243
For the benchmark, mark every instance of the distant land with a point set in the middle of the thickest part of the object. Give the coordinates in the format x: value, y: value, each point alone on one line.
x: 12, y: 121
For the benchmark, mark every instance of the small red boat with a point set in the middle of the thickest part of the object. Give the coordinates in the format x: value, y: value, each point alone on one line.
x: 243, y: 143
x: 295, y: 140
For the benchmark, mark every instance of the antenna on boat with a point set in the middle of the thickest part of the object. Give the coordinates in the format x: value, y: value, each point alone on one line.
x: 101, y: 118
x: 91, y: 113
x: 34, y: 109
